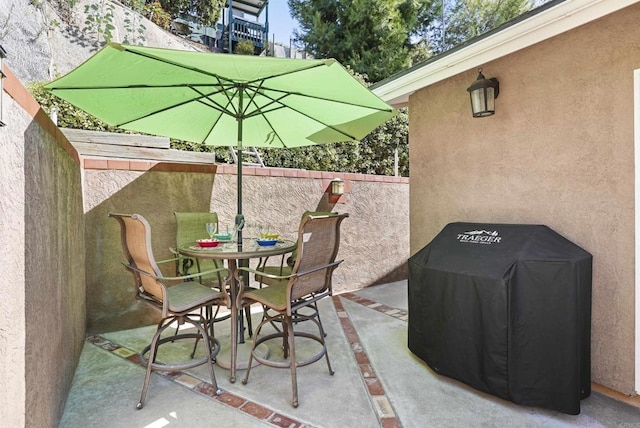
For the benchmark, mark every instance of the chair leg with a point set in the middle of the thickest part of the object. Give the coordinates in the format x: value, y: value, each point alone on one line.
x: 253, y: 346
x: 247, y: 314
x: 208, y: 316
x: 324, y: 344
x: 201, y: 325
x: 292, y: 360
x: 202, y: 328
x: 152, y: 359
x: 315, y: 306
x: 286, y: 332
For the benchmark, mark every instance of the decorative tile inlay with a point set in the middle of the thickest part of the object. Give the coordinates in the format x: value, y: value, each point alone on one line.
x: 390, y: 423
x: 206, y: 389
x: 231, y: 399
x: 283, y: 421
x: 256, y: 410
x: 123, y: 352
x: 384, y: 410
x: 367, y: 370
x: 374, y: 386
x: 97, y: 340
x: 383, y: 407
x: 187, y: 380
x: 109, y: 346
x: 400, y: 314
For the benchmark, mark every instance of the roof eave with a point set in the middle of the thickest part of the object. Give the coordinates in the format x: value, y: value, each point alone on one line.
x: 543, y: 24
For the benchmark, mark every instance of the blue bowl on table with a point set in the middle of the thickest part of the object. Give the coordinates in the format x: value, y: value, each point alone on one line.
x: 266, y: 242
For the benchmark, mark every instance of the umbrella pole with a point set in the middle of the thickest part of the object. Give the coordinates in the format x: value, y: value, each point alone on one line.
x: 240, y: 216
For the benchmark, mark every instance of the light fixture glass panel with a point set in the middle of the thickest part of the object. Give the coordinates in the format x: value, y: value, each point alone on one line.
x: 477, y: 101
x: 337, y: 186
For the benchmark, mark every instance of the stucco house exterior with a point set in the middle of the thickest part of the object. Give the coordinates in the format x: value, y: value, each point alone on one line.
x: 561, y: 150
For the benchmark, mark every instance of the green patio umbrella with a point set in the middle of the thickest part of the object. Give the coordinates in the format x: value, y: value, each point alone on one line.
x: 223, y: 99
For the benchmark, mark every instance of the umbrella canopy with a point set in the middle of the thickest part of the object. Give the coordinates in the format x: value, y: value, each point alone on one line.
x: 222, y: 99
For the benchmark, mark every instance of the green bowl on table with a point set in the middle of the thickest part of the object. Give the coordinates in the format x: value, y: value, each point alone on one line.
x: 223, y: 236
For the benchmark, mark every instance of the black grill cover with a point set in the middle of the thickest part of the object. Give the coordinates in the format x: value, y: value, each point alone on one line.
x: 506, y: 309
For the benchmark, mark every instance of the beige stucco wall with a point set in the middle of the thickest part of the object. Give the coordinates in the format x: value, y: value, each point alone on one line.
x: 374, y: 240
x: 154, y: 195
x: 12, y: 296
x: 42, y: 310
x: 376, y: 209
x: 559, y: 151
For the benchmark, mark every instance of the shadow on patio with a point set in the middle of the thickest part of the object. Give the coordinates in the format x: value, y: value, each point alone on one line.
x: 377, y: 382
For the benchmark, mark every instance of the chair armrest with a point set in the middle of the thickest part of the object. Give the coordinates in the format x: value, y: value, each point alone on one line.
x: 307, y: 272
x: 268, y: 275
x: 159, y: 262
x: 261, y: 273
x: 193, y: 275
x: 173, y: 278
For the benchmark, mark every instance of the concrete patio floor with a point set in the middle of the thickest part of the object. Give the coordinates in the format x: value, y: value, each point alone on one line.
x: 378, y: 382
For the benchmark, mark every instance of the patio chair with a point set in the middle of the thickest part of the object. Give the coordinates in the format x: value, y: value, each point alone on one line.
x: 308, y: 282
x: 190, y: 226
x: 178, y: 299
x: 284, y: 269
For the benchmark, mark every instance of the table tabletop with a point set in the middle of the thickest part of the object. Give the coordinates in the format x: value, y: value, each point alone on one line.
x: 232, y: 250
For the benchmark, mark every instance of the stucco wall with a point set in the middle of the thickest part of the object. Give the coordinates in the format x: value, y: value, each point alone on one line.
x: 559, y: 151
x: 43, y: 291
x: 12, y: 314
x: 374, y: 244
x: 374, y: 239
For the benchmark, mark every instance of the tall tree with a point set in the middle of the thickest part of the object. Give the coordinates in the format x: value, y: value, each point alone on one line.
x: 369, y: 36
x: 447, y: 23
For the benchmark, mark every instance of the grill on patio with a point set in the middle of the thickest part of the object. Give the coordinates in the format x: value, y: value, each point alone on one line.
x: 505, y: 309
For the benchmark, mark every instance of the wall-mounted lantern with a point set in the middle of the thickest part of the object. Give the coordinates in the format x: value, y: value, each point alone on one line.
x: 3, y: 54
x: 337, y: 187
x: 483, y: 93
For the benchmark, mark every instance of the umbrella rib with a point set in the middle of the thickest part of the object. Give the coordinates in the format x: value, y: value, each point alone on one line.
x: 216, y: 107
x: 221, y: 108
x: 261, y: 111
x: 317, y: 97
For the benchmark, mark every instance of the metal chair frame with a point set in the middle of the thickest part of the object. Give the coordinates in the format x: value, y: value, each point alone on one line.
x: 309, y: 282
x: 179, y: 302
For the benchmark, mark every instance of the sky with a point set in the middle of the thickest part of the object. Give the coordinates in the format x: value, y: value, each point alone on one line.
x: 280, y: 23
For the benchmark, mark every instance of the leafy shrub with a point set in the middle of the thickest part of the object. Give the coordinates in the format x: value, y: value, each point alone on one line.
x: 156, y: 14
x: 245, y: 47
x: 69, y: 116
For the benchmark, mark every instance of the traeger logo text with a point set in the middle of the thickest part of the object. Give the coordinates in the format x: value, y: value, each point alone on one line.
x: 480, y: 237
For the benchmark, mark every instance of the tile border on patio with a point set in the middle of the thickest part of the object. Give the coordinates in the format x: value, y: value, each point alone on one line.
x: 400, y: 314
x: 251, y: 408
x: 384, y: 410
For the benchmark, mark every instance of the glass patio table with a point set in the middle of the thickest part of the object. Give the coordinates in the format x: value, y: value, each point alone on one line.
x: 233, y: 252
